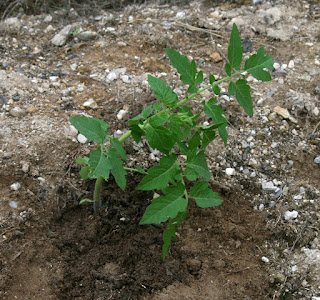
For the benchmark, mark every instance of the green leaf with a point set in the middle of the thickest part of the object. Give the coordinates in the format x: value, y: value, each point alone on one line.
x: 143, y: 115
x: 215, y: 112
x: 199, y: 78
x: 118, y: 147
x: 186, y: 69
x: 170, y: 232
x: 136, y: 133
x: 117, y: 170
x: 256, y: 64
x: 167, y: 206
x: 181, y: 125
x: 216, y: 89
x: 141, y: 170
x: 159, y: 138
x: 159, y: 176
x: 242, y: 91
x: 228, y: 69
x: 194, y: 141
x: 92, y: 128
x: 211, y: 79
x: 84, y: 172
x: 204, y: 196
x: 192, y: 89
x: 100, y: 165
x: 82, y: 160
x: 157, y: 106
x: 207, y: 137
x: 197, y: 165
x: 235, y: 49
x: 159, y: 118
x: 162, y: 91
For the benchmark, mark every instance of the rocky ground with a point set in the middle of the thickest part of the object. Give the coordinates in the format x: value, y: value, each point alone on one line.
x: 262, y: 243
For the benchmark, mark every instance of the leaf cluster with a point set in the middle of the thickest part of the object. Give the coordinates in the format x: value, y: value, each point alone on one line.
x: 172, y: 128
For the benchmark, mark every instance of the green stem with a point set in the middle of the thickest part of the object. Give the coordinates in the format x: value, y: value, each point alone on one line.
x: 97, y: 193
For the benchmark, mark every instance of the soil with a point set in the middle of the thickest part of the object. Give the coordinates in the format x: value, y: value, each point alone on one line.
x: 53, y: 248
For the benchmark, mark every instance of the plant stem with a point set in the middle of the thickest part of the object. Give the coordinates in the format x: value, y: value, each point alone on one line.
x: 97, y: 193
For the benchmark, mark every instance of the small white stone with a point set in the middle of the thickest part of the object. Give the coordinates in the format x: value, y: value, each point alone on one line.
x: 121, y: 114
x: 290, y: 215
x: 291, y: 64
x: 152, y: 156
x: 261, y: 207
x: 294, y: 268
x: 317, y: 160
x: 265, y: 259
x: 81, y: 138
x: 230, y: 171
x: 276, y: 65
x: 15, y: 186
x: 268, y: 186
x: 73, y: 131
x: 90, y: 103
x: 25, y: 167
x: 53, y: 78
x: 206, y: 123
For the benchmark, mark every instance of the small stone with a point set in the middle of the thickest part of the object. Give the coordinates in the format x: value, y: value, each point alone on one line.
x: 15, y: 186
x: 261, y: 207
x: 53, y: 78
x: 25, y: 167
x: 194, y: 265
x: 265, y: 259
x: 81, y: 138
x: 121, y: 114
x: 113, y: 75
x: 216, y: 57
x: 122, y: 44
x: 91, y: 104
x: 230, y: 171
x: 317, y: 160
x: 290, y: 215
x: 60, y: 38
x: 13, y: 204
x: 246, y: 172
x: 291, y: 64
x: 18, y: 112
x: 47, y: 19
x: 283, y: 112
x: 276, y: 65
x: 268, y: 186
x: 87, y: 35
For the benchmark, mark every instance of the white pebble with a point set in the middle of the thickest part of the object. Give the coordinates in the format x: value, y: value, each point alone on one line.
x: 13, y: 204
x: 121, y: 114
x: 230, y: 171
x: 15, y: 186
x: 291, y: 64
x: 265, y: 259
x: 290, y: 215
x: 81, y: 138
x: 276, y: 65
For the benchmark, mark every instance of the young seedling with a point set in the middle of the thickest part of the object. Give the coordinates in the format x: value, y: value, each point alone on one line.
x: 171, y: 127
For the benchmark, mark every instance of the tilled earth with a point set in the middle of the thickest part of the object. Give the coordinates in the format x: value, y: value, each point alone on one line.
x: 261, y: 243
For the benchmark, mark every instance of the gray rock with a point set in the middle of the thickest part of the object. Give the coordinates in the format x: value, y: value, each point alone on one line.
x: 317, y: 160
x: 18, y: 112
x: 268, y: 186
x: 87, y: 35
x: 60, y: 38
